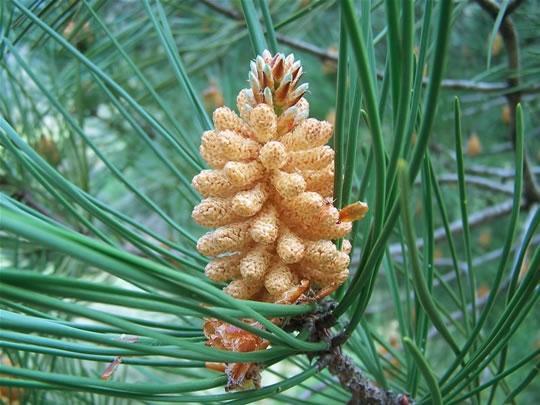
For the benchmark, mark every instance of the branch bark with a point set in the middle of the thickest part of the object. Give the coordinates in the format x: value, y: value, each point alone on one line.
x: 364, y: 391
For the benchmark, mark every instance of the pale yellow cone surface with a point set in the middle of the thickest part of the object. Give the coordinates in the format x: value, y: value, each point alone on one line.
x: 269, y: 190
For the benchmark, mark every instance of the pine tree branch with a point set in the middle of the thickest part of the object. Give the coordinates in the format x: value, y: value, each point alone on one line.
x: 509, y: 35
x: 351, y: 377
x: 364, y: 391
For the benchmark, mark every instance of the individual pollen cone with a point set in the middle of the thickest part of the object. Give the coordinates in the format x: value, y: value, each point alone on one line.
x: 474, y: 145
x: 236, y: 147
x: 227, y: 239
x: 215, y: 211
x: 223, y: 269
x: 214, y: 183
x: 211, y: 150
x: 263, y: 120
x: 265, y: 227
x: 242, y: 174
x: 226, y: 119
x: 254, y: 265
x: 273, y: 155
x: 242, y: 289
x: 288, y: 185
x: 308, y: 134
x: 320, y: 181
x: 269, y: 193
x: 313, y: 159
x: 279, y: 280
x: 248, y: 203
x: 290, y: 248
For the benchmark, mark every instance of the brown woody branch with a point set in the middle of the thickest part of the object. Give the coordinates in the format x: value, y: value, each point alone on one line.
x: 509, y: 34
x: 318, y: 324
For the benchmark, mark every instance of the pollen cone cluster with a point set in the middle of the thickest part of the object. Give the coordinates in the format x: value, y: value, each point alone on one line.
x: 269, y: 191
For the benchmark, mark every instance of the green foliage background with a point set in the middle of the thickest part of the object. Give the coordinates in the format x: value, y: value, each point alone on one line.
x: 102, y: 106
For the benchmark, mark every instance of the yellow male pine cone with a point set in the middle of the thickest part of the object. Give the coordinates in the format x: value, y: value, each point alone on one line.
x: 269, y: 190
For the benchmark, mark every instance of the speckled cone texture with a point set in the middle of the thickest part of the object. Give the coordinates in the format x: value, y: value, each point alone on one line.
x: 268, y: 194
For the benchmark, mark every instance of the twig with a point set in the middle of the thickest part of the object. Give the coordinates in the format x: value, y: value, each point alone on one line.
x: 512, y: 7
x: 484, y: 87
x: 457, y: 315
x: 318, y: 324
x: 478, y: 181
x: 477, y: 105
x: 509, y: 34
x: 451, y: 84
x: 475, y: 219
x: 451, y: 275
x: 222, y: 9
x: 489, y: 257
x: 497, y: 171
x: 499, y: 148
x: 307, y: 47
